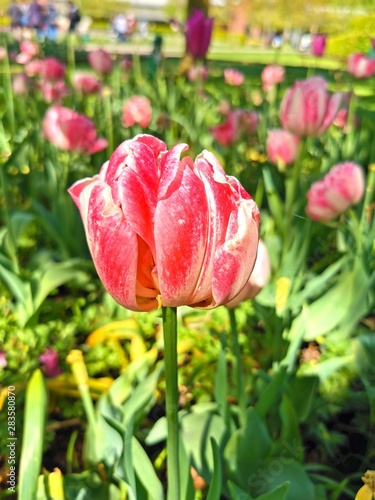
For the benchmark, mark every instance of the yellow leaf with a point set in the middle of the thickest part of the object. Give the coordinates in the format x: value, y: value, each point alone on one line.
x: 125, y: 329
x: 137, y: 347
x: 283, y: 286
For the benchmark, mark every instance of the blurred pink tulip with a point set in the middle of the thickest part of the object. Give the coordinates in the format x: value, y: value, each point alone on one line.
x: 271, y: 76
x: 28, y: 50
x: 258, y: 278
x: 166, y: 231
x: 52, y: 91
x: 21, y: 84
x: 50, y: 362
x: 136, y: 109
x: 341, y: 120
x: 318, y: 45
x: 307, y: 110
x: 70, y: 131
x: 342, y: 187
x: 100, y: 61
x: 34, y: 67
x: 361, y: 66
x: 282, y: 146
x: 238, y: 123
x: 197, y: 73
x: 233, y: 77
x: 3, y: 53
x: 3, y: 359
x: 52, y: 69
x: 85, y: 83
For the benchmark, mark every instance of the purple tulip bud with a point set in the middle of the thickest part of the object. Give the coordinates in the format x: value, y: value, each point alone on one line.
x: 318, y: 45
x: 50, y: 362
x: 198, y: 34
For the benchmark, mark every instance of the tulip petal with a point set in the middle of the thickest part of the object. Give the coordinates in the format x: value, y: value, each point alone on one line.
x: 113, y: 246
x: 332, y: 110
x: 181, y: 226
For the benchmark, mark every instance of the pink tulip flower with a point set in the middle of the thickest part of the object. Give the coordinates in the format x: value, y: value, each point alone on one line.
x: 28, y: 50
x: 272, y: 75
x: 52, y: 69
x: 361, y: 66
x: 238, y: 123
x: 258, y: 278
x: 341, y: 188
x: 3, y: 53
x: 86, y: 83
x: 100, y: 61
x: 3, y: 359
x: 50, y: 362
x: 318, y: 45
x: 34, y: 67
x: 198, y: 34
x: 21, y: 84
x: 307, y: 110
x: 282, y: 146
x: 197, y: 73
x: 136, y: 109
x: 52, y: 91
x: 233, y: 77
x: 168, y: 231
x: 68, y: 130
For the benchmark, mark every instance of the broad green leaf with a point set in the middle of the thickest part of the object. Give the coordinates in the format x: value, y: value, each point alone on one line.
x: 301, y: 391
x: 33, y: 436
x: 279, y: 493
x: 146, y: 472
x: 214, y: 490
x: 237, y: 493
x: 271, y: 393
x: 289, y: 444
x: 89, y: 486
x: 241, y: 458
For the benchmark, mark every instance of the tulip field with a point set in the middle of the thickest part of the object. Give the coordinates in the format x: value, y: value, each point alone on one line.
x: 187, y: 274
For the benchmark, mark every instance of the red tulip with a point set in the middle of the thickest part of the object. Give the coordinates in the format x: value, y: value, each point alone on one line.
x: 136, y: 109
x: 361, y: 66
x: 70, y: 131
x: 52, y: 69
x: 282, y: 146
x: 166, y: 231
x: 86, y: 83
x: 258, y: 278
x: 233, y: 77
x: 307, y: 109
x: 342, y: 187
x: 271, y: 76
x: 100, y: 61
x: 318, y: 45
x: 198, y: 34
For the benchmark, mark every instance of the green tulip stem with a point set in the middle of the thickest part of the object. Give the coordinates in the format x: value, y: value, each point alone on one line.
x: 240, y: 387
x: 170, y: 360
x: 291, y: 191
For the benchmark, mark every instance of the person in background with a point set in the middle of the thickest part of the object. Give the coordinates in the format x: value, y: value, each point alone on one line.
x: 74, y: 16
x: 37, y: 17
x: 15, y: 14
x: 120, y: 26
x: 51, y: 30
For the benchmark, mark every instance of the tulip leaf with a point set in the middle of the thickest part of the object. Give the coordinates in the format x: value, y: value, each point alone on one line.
x: 33, y: 436
x: 271, y: 393
x: 214, y: 490
x: 186, y: 480
x: 242, y: 459
x: 279, y: 493
x: 301, y: 391
x: 237, y: 493
x: 145, y: 472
